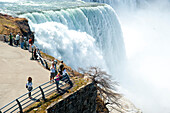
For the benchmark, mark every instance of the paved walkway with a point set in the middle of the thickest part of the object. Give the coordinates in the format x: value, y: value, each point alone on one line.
x: 15, y: 68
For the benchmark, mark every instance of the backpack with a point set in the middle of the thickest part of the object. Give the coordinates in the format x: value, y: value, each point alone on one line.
x: 29, y: 88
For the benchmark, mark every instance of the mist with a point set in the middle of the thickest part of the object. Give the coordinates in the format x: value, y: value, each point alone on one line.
x: 147, y: 41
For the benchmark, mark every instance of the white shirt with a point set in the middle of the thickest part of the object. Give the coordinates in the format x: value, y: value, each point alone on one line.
x: 64, y: 71
x: 17, y: 37
x: 29, y: 84
x: 52, y: 69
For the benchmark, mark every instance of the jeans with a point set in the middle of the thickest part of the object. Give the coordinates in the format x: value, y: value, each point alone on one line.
x: 22, y: 45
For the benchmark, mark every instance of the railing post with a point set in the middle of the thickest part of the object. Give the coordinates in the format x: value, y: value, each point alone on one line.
x: 32, y: 58
x: 41, y: 61
x: 20, y: 107
x: 43, y: 96
x: 46, y: 65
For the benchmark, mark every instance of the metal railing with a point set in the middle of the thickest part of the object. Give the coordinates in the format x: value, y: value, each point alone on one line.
x: 37, y: 93
x: 2, y: 37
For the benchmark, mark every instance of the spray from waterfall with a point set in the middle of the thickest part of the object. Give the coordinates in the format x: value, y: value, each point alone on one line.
x: 82, y: 37
x: 146, y: 34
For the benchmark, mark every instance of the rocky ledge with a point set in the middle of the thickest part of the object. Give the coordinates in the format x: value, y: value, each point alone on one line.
x: 9, y: 24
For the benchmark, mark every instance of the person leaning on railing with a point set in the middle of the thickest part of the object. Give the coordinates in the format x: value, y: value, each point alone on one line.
x: 57, y: 82
x: 66, y: 77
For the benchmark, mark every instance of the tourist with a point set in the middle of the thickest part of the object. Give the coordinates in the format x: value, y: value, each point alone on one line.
x: 29, y: 86
x: 11, y: 39
x: 60, y: 67
x: 5, y: 40
x: 52, y: 70
x: 22, y: 41
x: 57, y: 81
x: 17, y: 39
x: 35, y: 54
x: 25, y: 43
x: 30, y: 45
x: 66, y: 77
x: 55, y: 66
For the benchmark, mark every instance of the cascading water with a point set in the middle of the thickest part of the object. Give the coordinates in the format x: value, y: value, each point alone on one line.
x: 84, y: 36
x: 123, y: 4
x: 146, y: 32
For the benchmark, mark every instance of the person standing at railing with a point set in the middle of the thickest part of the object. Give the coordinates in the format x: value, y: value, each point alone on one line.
x: 5, y: 40
x: 29, y: 86
x: 52, y: 70
x: 30, y: 45
x: 35, y: 53
x: 66, y: 77
x: 55, y: 66
x: 60, y: 67
x: 17, y: 39
x: 57, y: 81
x: 22, y: 41
x: 10, y: 39
x: 26, y: 44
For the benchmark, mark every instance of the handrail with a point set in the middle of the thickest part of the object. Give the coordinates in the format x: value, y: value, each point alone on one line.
x: 12, y: 106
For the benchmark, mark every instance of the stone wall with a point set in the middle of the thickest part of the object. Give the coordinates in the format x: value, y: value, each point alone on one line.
x: 81, y: 101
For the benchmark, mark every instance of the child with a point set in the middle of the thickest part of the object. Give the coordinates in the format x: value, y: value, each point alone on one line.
x: 29, y: 86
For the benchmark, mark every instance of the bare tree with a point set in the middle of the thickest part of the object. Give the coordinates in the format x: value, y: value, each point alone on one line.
x: 105, y: 85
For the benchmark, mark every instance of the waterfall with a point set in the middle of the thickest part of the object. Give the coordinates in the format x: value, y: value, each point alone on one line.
x: 123, y: 4
x: 82, y: 36
x: 146, y: 34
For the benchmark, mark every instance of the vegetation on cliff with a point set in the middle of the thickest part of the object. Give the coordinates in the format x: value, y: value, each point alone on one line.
x: 106, y: 87
x: 9, y: 24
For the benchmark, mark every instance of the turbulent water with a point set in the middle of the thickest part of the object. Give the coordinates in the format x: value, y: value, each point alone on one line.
x: 145, y: 26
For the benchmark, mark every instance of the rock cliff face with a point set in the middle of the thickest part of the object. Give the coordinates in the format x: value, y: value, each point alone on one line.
x: 82, y: 101
x: 9, y: 24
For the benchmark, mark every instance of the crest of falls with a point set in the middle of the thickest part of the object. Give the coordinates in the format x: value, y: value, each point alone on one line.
x: 81, y: 36
x: 123, y: 4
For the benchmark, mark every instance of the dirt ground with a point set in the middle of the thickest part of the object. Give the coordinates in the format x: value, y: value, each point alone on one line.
x: 15, y: 68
